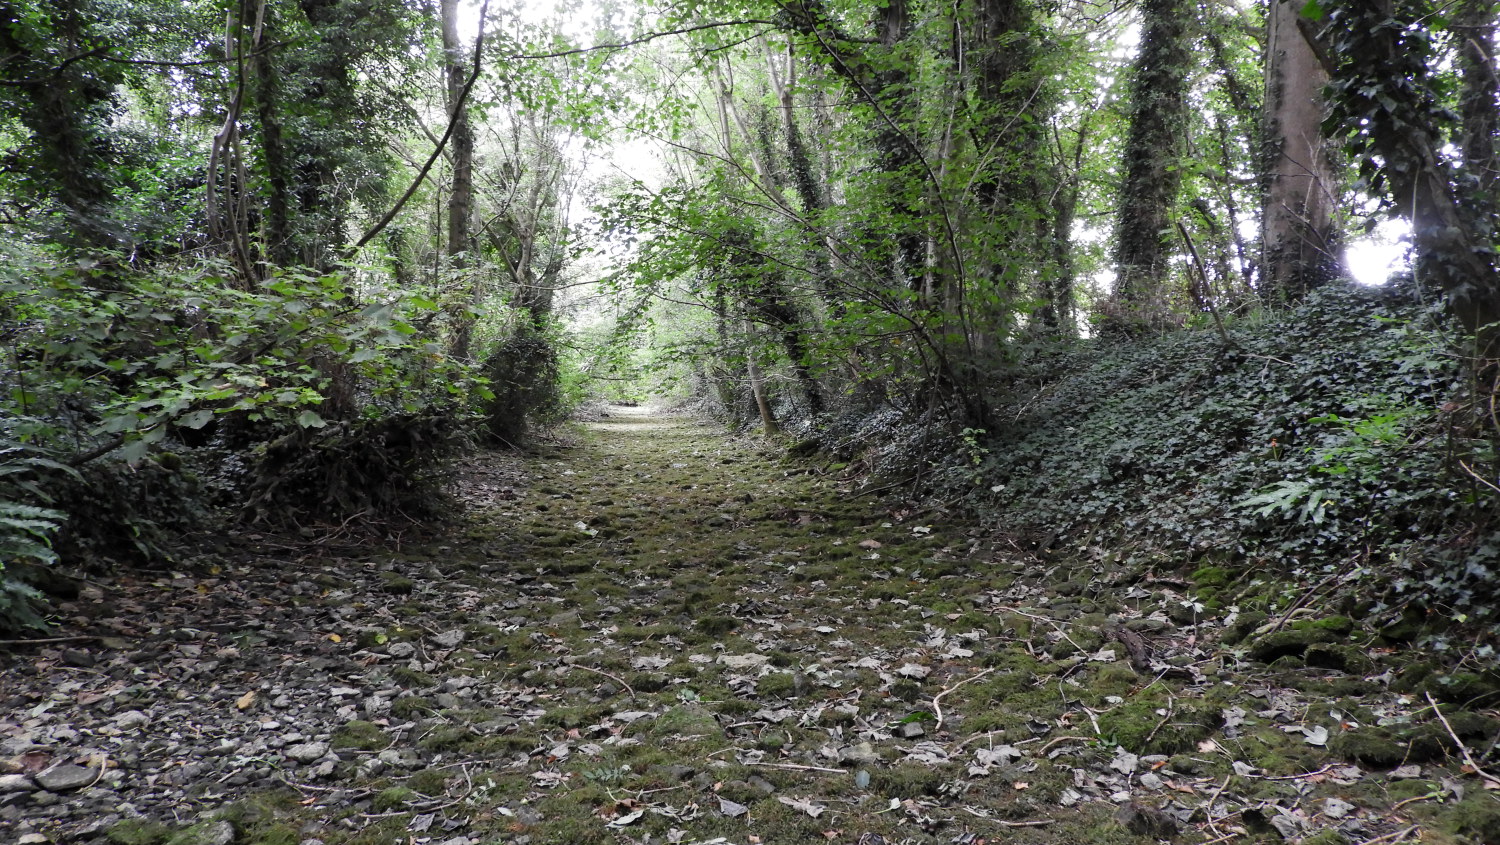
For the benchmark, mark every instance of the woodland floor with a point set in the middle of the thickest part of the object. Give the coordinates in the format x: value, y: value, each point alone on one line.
x: 652, y: 633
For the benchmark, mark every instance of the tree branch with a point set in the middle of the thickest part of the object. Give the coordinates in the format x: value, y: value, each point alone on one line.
x: 453, y: 121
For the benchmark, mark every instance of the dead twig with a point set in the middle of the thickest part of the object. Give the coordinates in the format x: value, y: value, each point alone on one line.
x: 796, y: 767
x: 937, y: 708
x: 1415, y: 798
x: 1208, y: 809
x: 1004, y: 823
x: 617, y: 679
x: 1390, y: 837
x: 1062, y: 739
x: 1171, y: 711
x: 1463, y: 749
x: 1324, y: 770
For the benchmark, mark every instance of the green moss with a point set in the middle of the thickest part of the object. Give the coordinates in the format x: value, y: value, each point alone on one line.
x: 1328, y: 836
x: 411, y: 706
x: 1465, y: 688
x: 1340, y: 625
x: 685, y: 720
x: 1115, y: 679
x: 409, y: 677
x: 1243, y: 626
x: 1477, y: 817
x: 1139, y: 728
x: 392, y: 798
x: 396, y: 583
x: 428, y: 782
x: 1211, y: 576
x: 776, y: 685
x: 444, y: 738
x: 716, y: 626
x: 138, y: 832
x: 906, y: 780
x: 361, y: 735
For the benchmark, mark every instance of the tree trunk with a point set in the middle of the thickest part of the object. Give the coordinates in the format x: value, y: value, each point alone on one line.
x: 461, y: 196
x: 1153, y: 163
x: 1299, y: 239
x: 1479, y: 96
x: 758, y: 384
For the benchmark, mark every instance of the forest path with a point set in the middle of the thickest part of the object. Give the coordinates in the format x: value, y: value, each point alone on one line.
x: 651, y: 632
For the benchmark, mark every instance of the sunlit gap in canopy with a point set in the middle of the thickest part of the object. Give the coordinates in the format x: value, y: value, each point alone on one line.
x: 1384, y: 251
x: 577, y: 19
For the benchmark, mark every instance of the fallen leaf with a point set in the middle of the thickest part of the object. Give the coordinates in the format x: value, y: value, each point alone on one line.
x: 731, y: 809
x: 246, y: 701
x: 803, y: 804
x: 628, y: 818
x: 336, y: 638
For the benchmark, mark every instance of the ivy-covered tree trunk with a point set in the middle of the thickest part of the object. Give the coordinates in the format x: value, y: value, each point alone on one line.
x: 63, y: 100
x: 1474, y: 25
x: 1382, y: 57
x: 279, y: 243
x: 461, y: 145
x: 1158, y: 104
x: 1299, y: 236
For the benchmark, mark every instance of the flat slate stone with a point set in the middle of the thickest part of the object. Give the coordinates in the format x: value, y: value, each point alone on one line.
x: 66, y: 778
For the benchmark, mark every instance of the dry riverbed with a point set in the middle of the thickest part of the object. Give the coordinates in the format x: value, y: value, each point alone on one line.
x: 653, y: 634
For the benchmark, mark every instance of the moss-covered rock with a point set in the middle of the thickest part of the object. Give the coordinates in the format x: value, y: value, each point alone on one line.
x: 396, y: 583
x: 1290, y: 642
x: 1343, y: 658
x: 1465, y: 689
x: 1373, y: 747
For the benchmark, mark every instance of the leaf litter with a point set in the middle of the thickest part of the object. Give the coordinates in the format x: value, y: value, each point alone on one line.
x: 655, y: 634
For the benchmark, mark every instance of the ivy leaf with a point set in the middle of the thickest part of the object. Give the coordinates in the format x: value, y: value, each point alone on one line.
x: 196, y: 419
x: 1313, y: 11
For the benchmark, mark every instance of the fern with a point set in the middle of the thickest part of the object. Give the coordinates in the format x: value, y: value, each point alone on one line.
x: 25, y: 534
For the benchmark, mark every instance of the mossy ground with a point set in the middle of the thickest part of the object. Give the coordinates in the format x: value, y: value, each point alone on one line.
x: 691, y: 626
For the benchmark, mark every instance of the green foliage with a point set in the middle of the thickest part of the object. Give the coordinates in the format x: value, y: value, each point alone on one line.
x: 297, y: 388
x: 523, y: 376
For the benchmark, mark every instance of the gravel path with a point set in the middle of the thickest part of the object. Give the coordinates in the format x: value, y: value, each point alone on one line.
x: 653, y: 633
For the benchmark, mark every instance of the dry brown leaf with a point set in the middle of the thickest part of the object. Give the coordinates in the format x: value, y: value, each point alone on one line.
x: 246, y: 701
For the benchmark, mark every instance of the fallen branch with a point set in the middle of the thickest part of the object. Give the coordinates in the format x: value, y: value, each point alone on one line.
x: 52, y: 640
x: 1463, y: 749
x: 937, y: 699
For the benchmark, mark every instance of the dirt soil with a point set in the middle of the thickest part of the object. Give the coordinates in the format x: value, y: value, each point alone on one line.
x: 654, y: 633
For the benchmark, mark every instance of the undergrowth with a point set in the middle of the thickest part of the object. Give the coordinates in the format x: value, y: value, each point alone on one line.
x: 1322, y: 443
